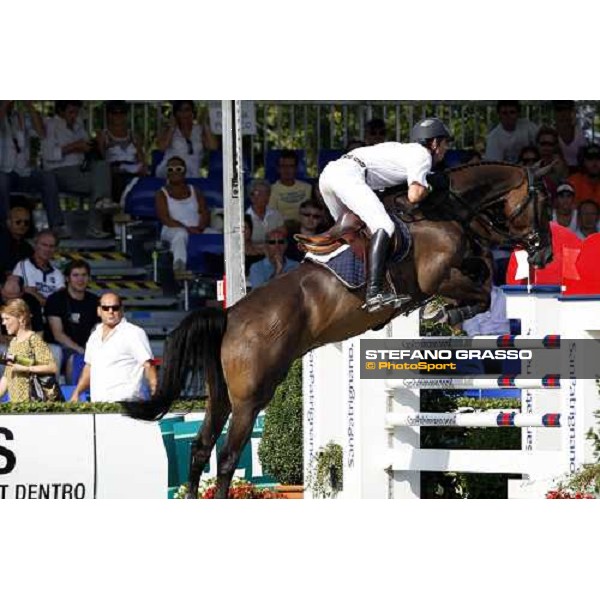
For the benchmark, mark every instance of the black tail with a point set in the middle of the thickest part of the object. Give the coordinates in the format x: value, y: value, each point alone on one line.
x: 194, y: 347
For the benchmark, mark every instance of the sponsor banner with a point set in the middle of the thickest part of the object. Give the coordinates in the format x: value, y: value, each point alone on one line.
x: 48, y: 457
x: 248, y: 117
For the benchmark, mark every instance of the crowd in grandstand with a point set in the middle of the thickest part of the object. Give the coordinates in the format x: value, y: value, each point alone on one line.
x: 44, y: 158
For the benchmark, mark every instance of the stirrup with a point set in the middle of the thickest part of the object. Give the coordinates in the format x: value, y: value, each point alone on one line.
x: 380, y: 301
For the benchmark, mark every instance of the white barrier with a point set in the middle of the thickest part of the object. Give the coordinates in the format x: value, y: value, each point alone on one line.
x: 377, y: 421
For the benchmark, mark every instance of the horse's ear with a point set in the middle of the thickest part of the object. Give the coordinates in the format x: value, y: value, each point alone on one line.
x: 539, y: 171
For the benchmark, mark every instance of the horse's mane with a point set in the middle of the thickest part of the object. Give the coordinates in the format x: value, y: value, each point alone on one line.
x: 483, y: 163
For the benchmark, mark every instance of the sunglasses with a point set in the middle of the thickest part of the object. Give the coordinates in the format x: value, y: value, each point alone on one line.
x: 111, y: 307
x: 273, y: 242
x: 311, y: 215
x: 178, y: 169
x: 547, y: 143
x: 22, y: 222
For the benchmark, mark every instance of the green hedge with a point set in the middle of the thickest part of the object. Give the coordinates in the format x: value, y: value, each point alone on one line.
x: 20, y: 408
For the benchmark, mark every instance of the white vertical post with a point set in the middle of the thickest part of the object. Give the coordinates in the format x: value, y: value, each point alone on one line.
x: 233, y: 201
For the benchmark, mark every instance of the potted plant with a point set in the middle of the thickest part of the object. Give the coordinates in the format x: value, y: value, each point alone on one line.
x: 281, y: 447
x: 327, y: 472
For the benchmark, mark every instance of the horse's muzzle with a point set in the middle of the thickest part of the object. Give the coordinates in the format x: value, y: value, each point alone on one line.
x: 541, y: 257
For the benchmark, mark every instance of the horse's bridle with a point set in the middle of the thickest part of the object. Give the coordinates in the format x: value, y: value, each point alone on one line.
x: 531, y: 241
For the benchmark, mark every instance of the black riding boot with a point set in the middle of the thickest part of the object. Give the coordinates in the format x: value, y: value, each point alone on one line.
x: 376, y: 298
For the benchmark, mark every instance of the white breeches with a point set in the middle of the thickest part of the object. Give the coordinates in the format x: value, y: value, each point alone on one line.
x: 177, y: 237
x: 342, y: 183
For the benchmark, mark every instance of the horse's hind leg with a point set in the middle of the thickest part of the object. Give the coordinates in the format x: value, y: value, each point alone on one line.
x: 214, y: 421
x: 242, y: 420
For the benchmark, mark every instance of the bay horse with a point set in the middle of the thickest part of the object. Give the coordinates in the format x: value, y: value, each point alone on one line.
x: 246, y: 351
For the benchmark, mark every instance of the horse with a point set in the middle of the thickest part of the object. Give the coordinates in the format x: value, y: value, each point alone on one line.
x: 246, y: 351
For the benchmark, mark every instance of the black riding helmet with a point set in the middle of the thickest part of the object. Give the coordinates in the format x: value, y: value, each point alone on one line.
x: 429, y: 129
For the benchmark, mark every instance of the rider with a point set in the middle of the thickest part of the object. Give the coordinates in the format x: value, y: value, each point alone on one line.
x: 350, y: 181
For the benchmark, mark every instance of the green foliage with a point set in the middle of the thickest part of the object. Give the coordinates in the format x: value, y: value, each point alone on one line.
x: 20, y: 408
x: 327, y: 472
x: 281, y: 447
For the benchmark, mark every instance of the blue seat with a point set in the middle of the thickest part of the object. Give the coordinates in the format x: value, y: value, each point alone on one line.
x: 156, y: 157
x: 201, y: 244
x: 271, y: 163
x: 326, y: 156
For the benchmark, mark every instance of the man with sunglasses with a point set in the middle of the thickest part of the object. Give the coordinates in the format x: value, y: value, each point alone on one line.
x: 511, y: 135
x: 275, y: 262
x: 312, y: 221
x: 117, y: 357
x: 13, y: 245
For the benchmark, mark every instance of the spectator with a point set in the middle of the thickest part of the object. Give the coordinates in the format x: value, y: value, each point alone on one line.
x: 570, y: 136
x: 275, y: 262
x: 16, y: 318
x: 587, y: 219
x: 120, y: 148
x: 13, y: 245
x: 312, y: 221
x: 69, y: 154
x: 550, y: 154
x: 253, y: 252
x: 287, y: 193
x: 17, y: 173
x: 13, y: 290
x: 117, y: 357
x: 529, y: 156
x: 182, y: 210
x: 185, y: 138
x: 512, y: 133
x: 564, y: 212
x: 587, y: 182
x: 72, y: 313
x: 40, y: 277
x: 375, y: 132
x: 264, y: 218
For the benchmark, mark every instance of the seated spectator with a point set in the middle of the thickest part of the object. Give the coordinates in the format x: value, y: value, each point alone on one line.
x: 39, y: 276
x: 505, y: 141
x: 529, y: 156
x: 570, y: 136
x: 17, y: 130
x: 587, y: 219
x: 564, y: 212
x: 72, y: 313
x: 587, y: 182
x: 16, y: 318
x: 275, y: 262
x: 69, y: 155
x: 185, y: 138
x: 120, y: 148
x: 182, y: 210
x: 287, y: 193
x: 12, y: 290
x: 253, y: 252
x: 312, y: 221
x: 375, y: 132
x: 264, y: 218
x: 550, y: 155
x: 13, y: 245
x: 117, y: 357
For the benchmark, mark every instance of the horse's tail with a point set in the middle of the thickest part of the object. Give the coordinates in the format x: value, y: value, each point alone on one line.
x: 192, y: 348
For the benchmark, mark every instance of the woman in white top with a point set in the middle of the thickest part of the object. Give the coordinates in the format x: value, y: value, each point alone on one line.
x: 120, y: 148
x: 185, y: 138
x: 181, y: 209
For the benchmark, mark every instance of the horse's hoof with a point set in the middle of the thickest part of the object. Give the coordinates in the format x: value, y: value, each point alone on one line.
x: 435, y: 314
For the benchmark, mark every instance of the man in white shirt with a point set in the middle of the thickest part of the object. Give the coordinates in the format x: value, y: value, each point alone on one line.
x: 117, y: 357
x: 264, y: 218
x: 511, y: 135
x: 64, y: 151
x: 350, y: 181
x: 40, y: 277
x: 588, y: 214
